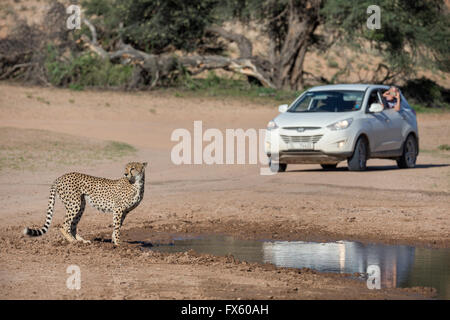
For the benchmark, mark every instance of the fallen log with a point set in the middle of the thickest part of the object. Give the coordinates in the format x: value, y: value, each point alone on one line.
x: 159, y: 66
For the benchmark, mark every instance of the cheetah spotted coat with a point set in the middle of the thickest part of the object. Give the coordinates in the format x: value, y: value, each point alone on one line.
x: 118, y: 197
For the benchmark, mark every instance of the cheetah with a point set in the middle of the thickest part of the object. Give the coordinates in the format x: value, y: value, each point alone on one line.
x: 118, y: 197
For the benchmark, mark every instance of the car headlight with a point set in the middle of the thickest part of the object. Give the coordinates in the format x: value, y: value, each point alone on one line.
x: 271, y: 125
x: 340, y: 125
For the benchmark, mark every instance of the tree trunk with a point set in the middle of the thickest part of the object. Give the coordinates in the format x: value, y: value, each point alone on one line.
x: 302, y: 22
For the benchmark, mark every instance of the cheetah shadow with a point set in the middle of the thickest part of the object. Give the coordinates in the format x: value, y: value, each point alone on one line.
x: 142, y: 244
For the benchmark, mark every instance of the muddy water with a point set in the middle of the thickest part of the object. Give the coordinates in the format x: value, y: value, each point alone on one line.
x: 388, y: 266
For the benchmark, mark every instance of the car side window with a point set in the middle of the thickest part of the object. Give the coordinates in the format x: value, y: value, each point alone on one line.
x: 373, y: 98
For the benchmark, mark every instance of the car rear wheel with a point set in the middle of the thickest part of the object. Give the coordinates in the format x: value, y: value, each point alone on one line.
x: 409, y: 156
x: 358, y: 161
x: 277, y: 167
x: 329, y: 166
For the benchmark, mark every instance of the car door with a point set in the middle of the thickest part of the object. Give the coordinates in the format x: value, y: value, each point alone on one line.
x: 393, y: 138
x: 399, y: 123
x: 396, y: 122
x: 409, y: 115
x: 378, y: 127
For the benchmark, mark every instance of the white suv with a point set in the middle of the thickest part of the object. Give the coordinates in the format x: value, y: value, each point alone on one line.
x: 333, y: 123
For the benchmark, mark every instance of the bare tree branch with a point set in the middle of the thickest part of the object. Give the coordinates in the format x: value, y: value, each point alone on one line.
x: 126, y: 49
x: 16, y: 67
x: 92, y: 29
x: 248, y: 67
x: 155, y: 64
x: 92, y: 43
x: 244, y: 45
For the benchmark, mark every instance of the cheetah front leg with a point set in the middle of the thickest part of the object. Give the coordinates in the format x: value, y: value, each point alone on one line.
x: 118, y: 218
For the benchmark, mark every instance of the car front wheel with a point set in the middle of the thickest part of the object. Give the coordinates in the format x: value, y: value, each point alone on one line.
x: 358, y: 161
x: 329, y: 166
x: 409, y: 156
x: 277, y: 167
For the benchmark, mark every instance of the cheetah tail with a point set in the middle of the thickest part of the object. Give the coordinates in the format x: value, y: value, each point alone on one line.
x: 48, y: 221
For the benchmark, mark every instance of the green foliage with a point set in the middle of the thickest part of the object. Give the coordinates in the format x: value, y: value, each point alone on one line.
x: 444, y: 147
x: 332, y: 63
x: 420, y: 108
x: 426, y: 92
x: 412, y: 32
x: 215, y: 86
x: 84, y: 70
x: 154, y: 25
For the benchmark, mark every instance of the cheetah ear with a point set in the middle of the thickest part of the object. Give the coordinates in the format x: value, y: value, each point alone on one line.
x: 145, y: 164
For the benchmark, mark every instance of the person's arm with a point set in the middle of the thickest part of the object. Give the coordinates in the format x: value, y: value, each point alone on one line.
x: 397, y: 105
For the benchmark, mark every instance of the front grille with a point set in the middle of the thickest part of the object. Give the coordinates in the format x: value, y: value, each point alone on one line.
x: 301, y: 129
x: 312, y: 139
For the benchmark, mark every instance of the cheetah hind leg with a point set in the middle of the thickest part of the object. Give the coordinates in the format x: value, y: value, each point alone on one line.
x: 77, y: 219
x: 67, y: 235
x: 73, y: 216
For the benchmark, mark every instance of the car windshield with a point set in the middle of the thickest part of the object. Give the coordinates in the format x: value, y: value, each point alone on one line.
x: 328, y: 101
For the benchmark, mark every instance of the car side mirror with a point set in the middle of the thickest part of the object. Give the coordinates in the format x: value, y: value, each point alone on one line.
x: 283, y: 108
x: 376, y: 107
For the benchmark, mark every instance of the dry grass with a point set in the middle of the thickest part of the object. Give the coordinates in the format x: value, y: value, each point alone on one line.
x: 30, y: 149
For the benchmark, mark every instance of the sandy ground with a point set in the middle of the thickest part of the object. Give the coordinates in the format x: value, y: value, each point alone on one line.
x: 384, y: 204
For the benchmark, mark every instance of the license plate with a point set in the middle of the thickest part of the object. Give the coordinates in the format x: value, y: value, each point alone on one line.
x: 302, y: 146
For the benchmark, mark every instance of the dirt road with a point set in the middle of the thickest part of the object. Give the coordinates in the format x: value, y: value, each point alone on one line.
x: 383, y: 204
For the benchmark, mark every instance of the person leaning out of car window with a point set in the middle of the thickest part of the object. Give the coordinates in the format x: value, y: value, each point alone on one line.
x: 392, y: 97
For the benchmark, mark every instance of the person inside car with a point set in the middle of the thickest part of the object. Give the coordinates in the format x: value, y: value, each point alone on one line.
x: 392, y: 97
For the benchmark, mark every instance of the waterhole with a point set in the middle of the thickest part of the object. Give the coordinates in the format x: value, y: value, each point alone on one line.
x: 390, y: 266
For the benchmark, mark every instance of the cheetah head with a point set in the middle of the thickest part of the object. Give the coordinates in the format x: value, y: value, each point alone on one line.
x: 135, y: 171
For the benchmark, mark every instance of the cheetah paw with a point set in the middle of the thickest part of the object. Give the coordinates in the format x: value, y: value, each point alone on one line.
x: 80, y: 238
